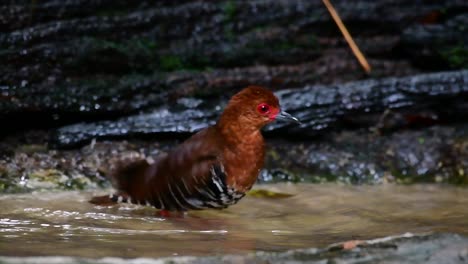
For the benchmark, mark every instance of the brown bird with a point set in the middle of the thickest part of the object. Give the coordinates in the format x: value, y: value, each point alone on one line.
x: 212, y: 169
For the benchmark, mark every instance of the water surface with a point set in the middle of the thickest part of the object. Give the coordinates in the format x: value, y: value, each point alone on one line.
x: 49, y: 224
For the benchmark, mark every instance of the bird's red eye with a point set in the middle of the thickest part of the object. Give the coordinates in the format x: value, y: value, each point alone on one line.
x: 263, y: 108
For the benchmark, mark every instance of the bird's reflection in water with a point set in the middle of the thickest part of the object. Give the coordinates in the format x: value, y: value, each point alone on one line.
x: 220, y: 227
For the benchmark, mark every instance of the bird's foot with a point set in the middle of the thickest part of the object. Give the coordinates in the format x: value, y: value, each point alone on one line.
x: 169, y: 214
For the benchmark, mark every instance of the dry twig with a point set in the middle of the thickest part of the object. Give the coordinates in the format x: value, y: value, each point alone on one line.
x: 362, y: 60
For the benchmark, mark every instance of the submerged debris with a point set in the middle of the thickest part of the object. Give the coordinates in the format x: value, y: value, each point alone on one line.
x: 407, y: 248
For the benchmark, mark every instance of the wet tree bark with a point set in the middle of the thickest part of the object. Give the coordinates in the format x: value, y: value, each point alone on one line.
x: 64, y: 62
x: 384, y: 105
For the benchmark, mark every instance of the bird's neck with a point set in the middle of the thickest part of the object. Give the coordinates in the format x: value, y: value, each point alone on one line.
x: 245, y: 145
x: 236, y: 129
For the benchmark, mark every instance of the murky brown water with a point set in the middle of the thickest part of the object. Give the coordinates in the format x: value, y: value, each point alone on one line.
x: 317, y: 215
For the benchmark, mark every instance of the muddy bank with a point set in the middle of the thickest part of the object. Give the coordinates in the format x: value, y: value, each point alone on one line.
x: 437, y: 154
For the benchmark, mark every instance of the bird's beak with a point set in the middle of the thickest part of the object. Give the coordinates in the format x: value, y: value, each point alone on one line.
x: 287, y: 117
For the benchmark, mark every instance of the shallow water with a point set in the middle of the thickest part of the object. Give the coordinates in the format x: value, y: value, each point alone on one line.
x: 48, y: 224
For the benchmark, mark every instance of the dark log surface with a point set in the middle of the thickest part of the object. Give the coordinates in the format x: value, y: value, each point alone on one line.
x: 64, y: 62
x: 319, y: 108
x: 432, y: 46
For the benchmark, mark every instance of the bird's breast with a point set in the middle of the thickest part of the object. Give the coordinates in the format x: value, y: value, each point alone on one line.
x: 244, y: 162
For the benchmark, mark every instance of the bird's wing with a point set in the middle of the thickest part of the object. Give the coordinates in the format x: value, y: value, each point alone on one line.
x: 190, y: 177
x: 193, y: 176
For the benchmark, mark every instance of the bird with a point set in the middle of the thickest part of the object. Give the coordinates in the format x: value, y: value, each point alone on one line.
x: 213, y: 169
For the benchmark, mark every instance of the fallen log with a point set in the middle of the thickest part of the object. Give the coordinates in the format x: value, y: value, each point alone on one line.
x: 320, y: 109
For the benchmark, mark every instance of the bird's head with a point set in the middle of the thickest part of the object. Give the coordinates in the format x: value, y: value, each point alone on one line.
x: 256, y: 106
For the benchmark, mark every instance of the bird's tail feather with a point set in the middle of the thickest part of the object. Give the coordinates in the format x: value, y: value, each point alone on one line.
x: 104, y: 200
x: 125, y: 172
x: 112, y: 199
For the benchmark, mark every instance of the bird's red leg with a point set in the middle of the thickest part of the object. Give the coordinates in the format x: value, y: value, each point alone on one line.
x: 169, y: 214
x: 163, y: 213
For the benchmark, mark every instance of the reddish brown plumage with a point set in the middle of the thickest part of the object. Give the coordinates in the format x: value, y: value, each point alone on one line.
x: 212, y: 169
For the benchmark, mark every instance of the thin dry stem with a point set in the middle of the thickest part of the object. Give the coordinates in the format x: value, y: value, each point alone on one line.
x: 362, y: 60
